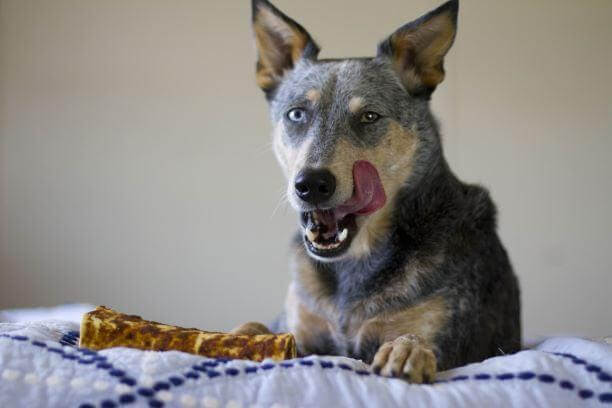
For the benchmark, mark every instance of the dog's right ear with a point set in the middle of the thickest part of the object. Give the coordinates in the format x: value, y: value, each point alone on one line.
x: 281, y: 43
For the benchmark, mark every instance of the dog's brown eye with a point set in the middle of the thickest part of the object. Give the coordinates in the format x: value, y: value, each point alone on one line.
x: 369, y: 117
x: 296, y: 115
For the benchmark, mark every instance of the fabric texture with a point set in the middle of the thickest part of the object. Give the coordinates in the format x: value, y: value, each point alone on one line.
x: 41, y: 366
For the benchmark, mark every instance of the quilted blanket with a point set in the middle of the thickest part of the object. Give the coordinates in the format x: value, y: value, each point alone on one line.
x: 41, y: 366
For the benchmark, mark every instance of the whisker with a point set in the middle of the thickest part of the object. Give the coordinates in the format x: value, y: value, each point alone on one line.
x: 284, y: 199
x: 264, y: 149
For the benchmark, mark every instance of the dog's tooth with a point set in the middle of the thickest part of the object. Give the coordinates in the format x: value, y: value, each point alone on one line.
x: 325, y: 247
x: 342, y: 236
x: 311, y: 235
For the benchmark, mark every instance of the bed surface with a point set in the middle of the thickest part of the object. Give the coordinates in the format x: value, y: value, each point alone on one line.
x: 41, y: 366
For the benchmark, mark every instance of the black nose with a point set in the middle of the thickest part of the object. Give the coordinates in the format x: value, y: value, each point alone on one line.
x: 315, y: 186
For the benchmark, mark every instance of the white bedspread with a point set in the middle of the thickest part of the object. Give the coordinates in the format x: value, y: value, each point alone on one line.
x: 41, y: 367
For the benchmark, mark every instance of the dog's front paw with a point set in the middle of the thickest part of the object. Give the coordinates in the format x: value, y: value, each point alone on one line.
x: 406, y: 357
x: 251, y: 328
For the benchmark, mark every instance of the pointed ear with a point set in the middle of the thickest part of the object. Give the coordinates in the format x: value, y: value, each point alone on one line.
x: 280, y: 41
x: 418, y: 48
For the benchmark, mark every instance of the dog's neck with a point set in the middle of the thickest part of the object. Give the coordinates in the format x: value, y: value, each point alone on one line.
x: 425, y: 214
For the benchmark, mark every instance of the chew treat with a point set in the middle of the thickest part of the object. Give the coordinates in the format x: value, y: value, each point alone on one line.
x: 106, y: 328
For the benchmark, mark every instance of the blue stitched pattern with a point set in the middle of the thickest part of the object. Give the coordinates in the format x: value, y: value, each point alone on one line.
x: 146, y: 392
x: 585, y: 394
x: 209, y: 369
x: 176, y: 381
x: 160, y: 385
x: 127, y: 398
x: 155, y: 403
x: 213, y: 374
x: 546, y: 378
x: 192, y: 374
x: 591, y: 368
x: 604, y: 377
x: 108, y: 404
x: 85, y: 357
x: 232, y: 371
x: 70, y: 338
x: 128, y: 381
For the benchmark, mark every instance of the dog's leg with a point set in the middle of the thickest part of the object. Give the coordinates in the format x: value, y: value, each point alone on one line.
x: 251, y: 328
x: 404, y: 344
x: 407, y: 356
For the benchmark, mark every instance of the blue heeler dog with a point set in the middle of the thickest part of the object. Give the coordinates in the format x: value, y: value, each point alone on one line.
x: 396, y: 262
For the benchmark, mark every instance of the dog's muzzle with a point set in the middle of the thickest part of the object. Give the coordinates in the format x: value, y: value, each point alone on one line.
x: 330, y: 231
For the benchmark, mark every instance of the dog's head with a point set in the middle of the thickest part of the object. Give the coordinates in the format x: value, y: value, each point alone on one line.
x: 349, y: 133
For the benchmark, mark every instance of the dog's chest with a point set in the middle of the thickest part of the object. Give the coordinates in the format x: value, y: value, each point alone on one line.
x: 330, y: 327
x: 343, y: 323
x: 350, y: 335
x: 357, y: 334
x: 354, y: 336
x: 352, y: 311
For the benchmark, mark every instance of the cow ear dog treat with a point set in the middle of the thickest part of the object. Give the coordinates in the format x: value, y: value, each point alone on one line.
x: 105, y: 328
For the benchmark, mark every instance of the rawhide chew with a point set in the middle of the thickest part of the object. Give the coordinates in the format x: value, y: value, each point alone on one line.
x: 105, y: 328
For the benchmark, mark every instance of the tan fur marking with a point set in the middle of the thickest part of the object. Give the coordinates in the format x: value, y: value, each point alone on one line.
x: 270, y: 57
x: 393, y: 159
x: 428, y: 44
x: 310, y: 283
x: 355, y: 104
x: 306, y: 327
x: 423, y: 320
x: 279, y: 45
x: 313, y: 95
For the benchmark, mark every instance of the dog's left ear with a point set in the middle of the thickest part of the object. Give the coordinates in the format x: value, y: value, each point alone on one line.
x: 280, y: 41
x: 417, y: 49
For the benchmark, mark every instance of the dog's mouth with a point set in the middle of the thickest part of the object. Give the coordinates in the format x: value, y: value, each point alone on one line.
x: 326, y: 236
x: 329, y: 232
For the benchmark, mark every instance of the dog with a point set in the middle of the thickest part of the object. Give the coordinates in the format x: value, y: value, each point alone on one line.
x: 396, y: 261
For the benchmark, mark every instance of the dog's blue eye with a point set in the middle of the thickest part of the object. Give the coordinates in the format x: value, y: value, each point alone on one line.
x: 296, y: 115
x: 369, y: 117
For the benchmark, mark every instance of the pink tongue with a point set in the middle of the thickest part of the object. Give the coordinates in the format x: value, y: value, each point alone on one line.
x: 368, y: 193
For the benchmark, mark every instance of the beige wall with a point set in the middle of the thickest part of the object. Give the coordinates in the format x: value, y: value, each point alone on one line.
x: 135, y: 168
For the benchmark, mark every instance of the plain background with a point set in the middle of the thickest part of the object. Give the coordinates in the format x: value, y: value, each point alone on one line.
x: 135, y: 168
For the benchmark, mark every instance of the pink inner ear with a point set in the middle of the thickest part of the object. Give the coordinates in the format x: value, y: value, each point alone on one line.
x: 368, y: 192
